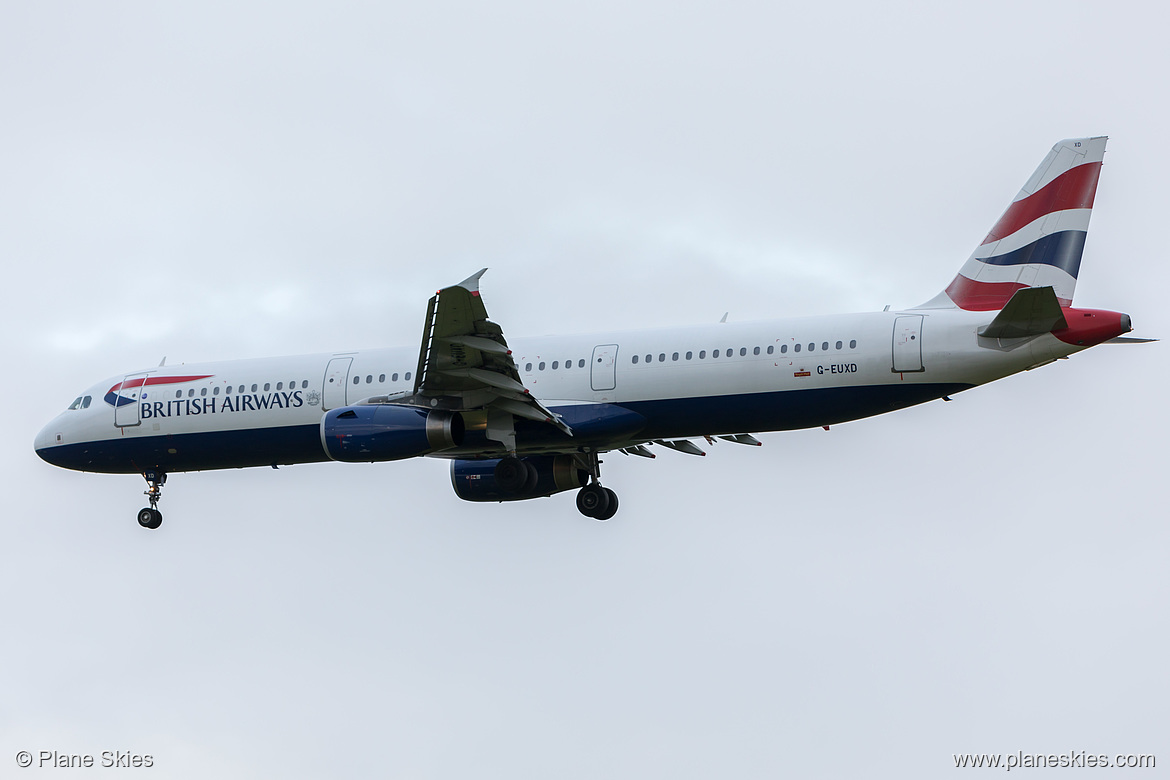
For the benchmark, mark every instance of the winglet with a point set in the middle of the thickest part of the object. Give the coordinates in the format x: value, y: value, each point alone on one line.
x: 471, y: 283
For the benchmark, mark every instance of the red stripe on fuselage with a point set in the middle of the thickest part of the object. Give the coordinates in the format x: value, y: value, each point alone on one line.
x: 1074, y: 189
x: 158, y: 380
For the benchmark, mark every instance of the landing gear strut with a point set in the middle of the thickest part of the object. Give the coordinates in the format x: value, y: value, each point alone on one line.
x: 150, y: 517
x: 593, y: 500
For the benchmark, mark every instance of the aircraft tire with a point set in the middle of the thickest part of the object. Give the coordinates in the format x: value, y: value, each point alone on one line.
x: 149, y: 518
x: 533, y: 478
x: 610, y: 509
x: 512, y: 475
x: 593, y: 501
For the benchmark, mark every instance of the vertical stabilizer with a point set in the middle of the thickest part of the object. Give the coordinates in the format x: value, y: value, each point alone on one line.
x: 1039, y: 240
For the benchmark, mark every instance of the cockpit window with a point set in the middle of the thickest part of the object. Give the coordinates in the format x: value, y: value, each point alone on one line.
x: 85, y: 401
x: 76, y: 403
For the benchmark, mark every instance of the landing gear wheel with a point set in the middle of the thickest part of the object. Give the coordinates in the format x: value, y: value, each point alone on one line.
x: 149, y: 518
x: 610, y: 509
x: 593, y: 501
x: 533, y: 478
x: 511, y: 475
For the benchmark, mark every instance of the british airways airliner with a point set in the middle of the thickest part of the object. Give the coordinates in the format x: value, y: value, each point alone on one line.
x: 527, y: 418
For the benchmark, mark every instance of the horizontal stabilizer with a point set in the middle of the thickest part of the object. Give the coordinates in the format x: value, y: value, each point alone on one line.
x: 1129, y: 340
x: 1032, y: 311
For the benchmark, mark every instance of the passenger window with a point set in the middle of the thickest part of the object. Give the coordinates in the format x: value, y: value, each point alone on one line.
x: 661, y: 357
x: 541, y: 366
x: 634, y: 360
x: 356, y: 380
x: 304, y: 383
x: 203, y: 392
x: 796, y: 348
x: 268, y: 386
x: 743, y: 351
x: 178, y: 394
x: 853, y: 344
x: 407, y: 377
x: 527, y: 370
x: 838, y: 345
x: 381, y: 378
x: 254, y: 388
x: 771, y: 349
x: 825, y: 346
x: 394, y: 376
x: 714, y: 353
x: 689, y: 355
x: 702, y: 354
x: 191, y: 393
x: 812, y: 347
x: 556, y: 364
x: 581, y: 363
x: 756, y: 351
x: 215, y: 391
x: 783, y: 349
x: 649, y: 358
x: 674, y: 356
x: 280, y: 386
x: 369, y: 379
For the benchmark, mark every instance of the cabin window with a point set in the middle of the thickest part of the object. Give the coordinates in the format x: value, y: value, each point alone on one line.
x: 714, y: 353
x: 825, y: 346
x: 178, y: 394
x: 853, y: 344
x: 838, y: 345
x: 280, y: 386
x: 812, y: 347
x: 690, y: 355
x: 756, y: 351
x: 527, y: 369
x: 191, y: 393
x: 783, y: 349
x: 556, y: 364
x: 540, y: 367
x: 356, y: 380
x: 304, y: 383
x: 634, y: 360
x: 568, y: 364
x: 743, y: 351
x: 369, y: 379
x: 267, y: 386
x: 674, y: 356
x: 215, y: 391
x: 796, y: 348
x: 581, y: 363
x: 407, y: 377
x: 702, y: 354
x: 394, y: 376
x: 661, y: 357
x: 649, y: 358
x: 771, y: 349
x: 254, y: 388
x: 203, y: 392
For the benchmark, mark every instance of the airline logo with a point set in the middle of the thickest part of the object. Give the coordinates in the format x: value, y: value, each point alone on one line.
x: 116, y: 398
x: 1039, y: 240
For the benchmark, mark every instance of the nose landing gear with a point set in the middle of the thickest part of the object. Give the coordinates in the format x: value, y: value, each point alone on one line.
x: 150, y: 517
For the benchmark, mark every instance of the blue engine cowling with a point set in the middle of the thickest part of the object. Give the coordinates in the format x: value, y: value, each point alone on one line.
x: 365, y: 433
x: 475, y: 480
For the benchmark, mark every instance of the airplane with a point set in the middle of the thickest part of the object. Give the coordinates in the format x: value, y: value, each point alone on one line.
x: 527, y: 418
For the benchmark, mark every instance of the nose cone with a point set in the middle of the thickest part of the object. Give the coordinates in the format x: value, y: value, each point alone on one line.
x: 49, y: 441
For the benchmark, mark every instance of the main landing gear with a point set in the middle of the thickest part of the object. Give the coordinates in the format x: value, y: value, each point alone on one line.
x: 593, y: 500
x: 150, y: 517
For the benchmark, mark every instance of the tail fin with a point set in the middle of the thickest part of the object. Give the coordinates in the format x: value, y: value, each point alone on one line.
x: 1039, y: 239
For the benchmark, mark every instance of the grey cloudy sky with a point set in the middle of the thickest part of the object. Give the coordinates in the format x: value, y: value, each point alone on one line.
x: 243, y: 179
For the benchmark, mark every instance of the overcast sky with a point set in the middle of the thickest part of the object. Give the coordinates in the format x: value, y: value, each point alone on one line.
x: 232, y: 180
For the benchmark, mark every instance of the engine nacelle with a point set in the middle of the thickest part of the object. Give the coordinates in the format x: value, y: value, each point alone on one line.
x: 365, y: 433
x: 475, y: 480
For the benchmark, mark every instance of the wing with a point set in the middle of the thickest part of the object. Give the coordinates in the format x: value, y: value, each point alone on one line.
x: 465, y: 364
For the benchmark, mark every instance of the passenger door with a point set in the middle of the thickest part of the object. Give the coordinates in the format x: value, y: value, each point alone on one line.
x: 336, y: 381
x: 126, y: 400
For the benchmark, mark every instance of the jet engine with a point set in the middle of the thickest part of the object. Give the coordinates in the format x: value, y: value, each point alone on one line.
x: 515, y: 479
x: 374, y: 432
